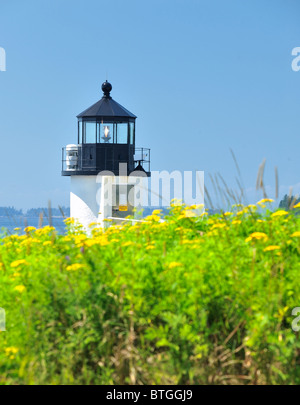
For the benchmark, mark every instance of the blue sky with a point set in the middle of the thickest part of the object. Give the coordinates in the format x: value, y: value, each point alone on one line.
x: 202, y: 77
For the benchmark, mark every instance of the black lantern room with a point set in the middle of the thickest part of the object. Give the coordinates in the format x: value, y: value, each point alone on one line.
x: 106, y: 139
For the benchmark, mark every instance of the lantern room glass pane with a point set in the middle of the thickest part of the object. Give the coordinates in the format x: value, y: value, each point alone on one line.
x: 90, y: 132
x: 99, y: 132
x: 131, y: 133
x: 80, y: 132
x: 122, y: 132
x: 105, y: 132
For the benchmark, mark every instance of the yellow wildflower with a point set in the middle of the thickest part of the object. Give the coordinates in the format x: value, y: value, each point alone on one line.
x: 189, y: 214
x: 154, y: 218
x: 15, y: 275
x: 17, y: 263
x: 45, y: 230
x: 265, y: 200
x: 79, y: 239
x: 236, y: 221
x: 156, y: 212
x: 20, y: 288
x: 221, y: 225
x: 74, y: 267
x: 172, y: 265
x: 296, y: 234
x: 128, y: 243
x: 11, y: 350
x: 69, y: 221
x: 257, y: 236
x: 297, y: 205
x: 92, y: 224
x: 188, y: 242
x: 17, y: 229
x: 47, y: 243
x: 227, y: 214
x: 279, y: 213
x: 176, y: 201
x: 30, y: 228
x: 271, y: 247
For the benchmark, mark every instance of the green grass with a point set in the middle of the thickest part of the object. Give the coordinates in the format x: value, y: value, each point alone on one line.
x: 192, y: 300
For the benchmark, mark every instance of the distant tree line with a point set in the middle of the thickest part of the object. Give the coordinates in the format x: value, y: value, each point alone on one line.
x: 55, y: 212
x: 9, y: 211
x: 287, y: 201
x: 34, y: 212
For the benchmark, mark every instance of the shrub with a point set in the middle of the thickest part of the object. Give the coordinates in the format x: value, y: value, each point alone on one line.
x: 193, y: 299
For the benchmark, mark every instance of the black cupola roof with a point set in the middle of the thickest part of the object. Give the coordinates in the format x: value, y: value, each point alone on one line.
x: 106, y: 107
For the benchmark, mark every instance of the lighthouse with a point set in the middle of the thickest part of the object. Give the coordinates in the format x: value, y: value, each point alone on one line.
x: 105, y: 165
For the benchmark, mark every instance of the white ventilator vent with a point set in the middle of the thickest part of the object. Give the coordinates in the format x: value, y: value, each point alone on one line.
x: 72, y: 157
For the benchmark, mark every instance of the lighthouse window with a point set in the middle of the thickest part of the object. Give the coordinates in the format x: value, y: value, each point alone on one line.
x: 90, y: 132
x: 131, y: 132
x: 105, y: 132
x: 80, y: 132
x: 122, y: 132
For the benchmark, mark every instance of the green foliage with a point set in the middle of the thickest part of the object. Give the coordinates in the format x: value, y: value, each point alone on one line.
x: 192, y: 300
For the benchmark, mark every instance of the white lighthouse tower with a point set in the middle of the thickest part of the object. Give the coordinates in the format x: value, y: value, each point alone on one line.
x: 105, y: 164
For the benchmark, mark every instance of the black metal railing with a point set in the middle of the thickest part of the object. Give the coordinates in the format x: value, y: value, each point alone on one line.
x: 142, y: 156
x: 85, y: 158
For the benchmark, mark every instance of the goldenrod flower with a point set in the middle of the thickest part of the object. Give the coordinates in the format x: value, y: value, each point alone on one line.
x: 236, y: 221
x: 279, y: 213
x: 20, y: 288
x: 257, y: 236
x: 74, y: 267
x: 271, y: 247
x: 92, y: 224
x: 220, y: 225
x: 296, y: 234
x: 79, y: 239
x: 176, y: 201
x: 45, y: 230
x: 188, y: 213
x: 11, y: 350
x: 30, y: 228
x: 188, y: 242
x: 172, y: 265
x: 69, y: 221
x: 154, y: 218
x: 265, y: 200
x: 128, y: 243
x: 17, y: 263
